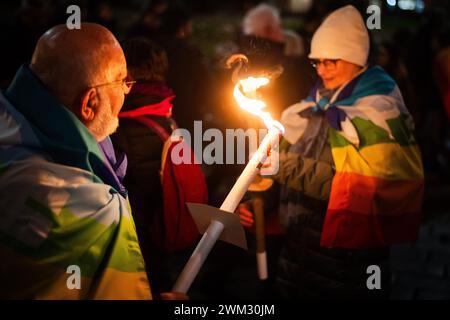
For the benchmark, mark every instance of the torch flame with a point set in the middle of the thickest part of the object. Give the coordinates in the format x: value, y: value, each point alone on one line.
x: 254, y: 106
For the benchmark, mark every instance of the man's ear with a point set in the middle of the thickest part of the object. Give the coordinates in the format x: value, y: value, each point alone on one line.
x: 88, y: 106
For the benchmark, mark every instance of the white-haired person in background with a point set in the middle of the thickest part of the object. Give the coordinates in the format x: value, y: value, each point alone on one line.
x: 268, y: 46
x: 264, y: 21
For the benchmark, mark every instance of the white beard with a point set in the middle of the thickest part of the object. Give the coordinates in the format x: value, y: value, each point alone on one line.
x: 104, y: 124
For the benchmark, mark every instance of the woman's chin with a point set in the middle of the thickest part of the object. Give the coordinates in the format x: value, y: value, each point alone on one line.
x: 329, y: 85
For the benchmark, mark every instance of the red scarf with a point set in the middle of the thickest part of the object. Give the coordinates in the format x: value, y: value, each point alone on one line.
x: 161, y: 109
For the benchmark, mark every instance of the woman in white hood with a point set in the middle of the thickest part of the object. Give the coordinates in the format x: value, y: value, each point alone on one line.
x: 351, y: 174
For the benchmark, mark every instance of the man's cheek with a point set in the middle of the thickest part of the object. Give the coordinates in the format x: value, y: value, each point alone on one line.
x: 120, y: 104
x: 117, y: 103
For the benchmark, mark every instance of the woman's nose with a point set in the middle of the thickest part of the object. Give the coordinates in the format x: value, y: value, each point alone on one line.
x: 321, y: 70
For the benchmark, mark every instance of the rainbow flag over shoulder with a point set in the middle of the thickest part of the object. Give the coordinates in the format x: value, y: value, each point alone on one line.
x: 66, y: 230
x: 377, y: 189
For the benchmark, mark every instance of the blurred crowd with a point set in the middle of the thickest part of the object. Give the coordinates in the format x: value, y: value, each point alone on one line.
x: 417, y: 57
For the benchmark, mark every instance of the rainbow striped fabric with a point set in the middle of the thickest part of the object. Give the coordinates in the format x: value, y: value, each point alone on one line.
x: 60, y: 212
x: 377, y: 189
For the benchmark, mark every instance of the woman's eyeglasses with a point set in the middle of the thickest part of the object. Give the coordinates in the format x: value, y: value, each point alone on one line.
x: 327, y: 63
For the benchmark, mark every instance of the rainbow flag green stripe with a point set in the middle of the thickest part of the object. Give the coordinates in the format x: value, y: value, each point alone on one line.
x: 370, y: 134
x: 377, y: 190
x: 84, y: 242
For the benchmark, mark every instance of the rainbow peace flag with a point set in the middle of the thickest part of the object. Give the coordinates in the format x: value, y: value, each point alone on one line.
x: 377, y: 189
x: 66, y: 230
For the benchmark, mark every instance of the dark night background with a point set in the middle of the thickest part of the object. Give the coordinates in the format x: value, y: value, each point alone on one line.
x: 413, y: 45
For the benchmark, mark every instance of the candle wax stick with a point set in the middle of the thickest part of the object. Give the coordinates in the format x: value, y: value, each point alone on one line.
x: 230, y: 204
x: 248, y: 175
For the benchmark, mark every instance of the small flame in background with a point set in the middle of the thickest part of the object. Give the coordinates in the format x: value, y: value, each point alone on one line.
x: 254, y: 106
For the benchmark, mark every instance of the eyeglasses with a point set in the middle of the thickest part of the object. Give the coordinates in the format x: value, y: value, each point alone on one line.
x: 126, y: 85
x: 327, y: 63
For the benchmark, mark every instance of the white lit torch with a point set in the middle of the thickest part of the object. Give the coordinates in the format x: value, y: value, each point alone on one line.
x: 223, y: 223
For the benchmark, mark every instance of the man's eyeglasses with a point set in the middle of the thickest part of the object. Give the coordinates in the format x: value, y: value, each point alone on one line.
x: 126, y: 85
x: 327, y: 63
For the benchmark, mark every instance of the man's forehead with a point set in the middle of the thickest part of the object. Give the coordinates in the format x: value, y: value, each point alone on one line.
x: 113, y: 69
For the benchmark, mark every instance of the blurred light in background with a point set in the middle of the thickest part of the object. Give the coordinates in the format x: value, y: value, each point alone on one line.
x: 420, y: 6
x: 392, y: 3
x: 408, y: 5
x: 300, y: 6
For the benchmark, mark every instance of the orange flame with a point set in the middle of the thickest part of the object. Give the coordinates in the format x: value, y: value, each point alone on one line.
x: 255, y: 106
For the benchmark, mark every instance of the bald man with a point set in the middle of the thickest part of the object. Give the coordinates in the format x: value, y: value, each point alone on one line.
x: 66, y: 231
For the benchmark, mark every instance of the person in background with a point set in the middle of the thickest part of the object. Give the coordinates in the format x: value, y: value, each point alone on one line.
x: 150, y: 21
x: 293, y: 44
x: 263, y: 41
x: 188, y: 75
x: 440, y: 134
x: 146, y: 125
x: 442, y: 75
x: 66, y: 206
x: 147, y: 64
